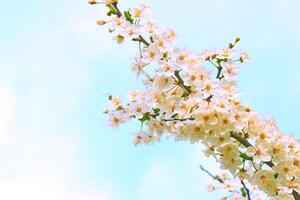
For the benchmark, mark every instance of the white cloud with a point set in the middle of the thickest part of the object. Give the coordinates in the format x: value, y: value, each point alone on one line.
x: 36, y: 163
x: 39, y: 149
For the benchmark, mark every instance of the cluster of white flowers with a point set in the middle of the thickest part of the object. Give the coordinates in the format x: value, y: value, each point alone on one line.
x: 193, y: 97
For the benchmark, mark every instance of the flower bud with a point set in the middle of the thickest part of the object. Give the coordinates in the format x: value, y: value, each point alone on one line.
x: 92, y: 2
x: 109, y: 2
x: 105, y: 111
x: 101, y: 22
x: 111, y: 30
x: 120, y: 38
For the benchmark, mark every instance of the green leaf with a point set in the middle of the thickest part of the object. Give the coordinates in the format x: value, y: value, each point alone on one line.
x: 151, y: 39
x: 174, y: 115
x: 244, y: 193
x: 156, y: 110
x: 241, y: 60
x: 243, y: 170
x: 245, y: 156
x: 146, y: 117
x: 136, y: 39
x: 128, y: 16
x: 276, y: 175
x: 112, y: 10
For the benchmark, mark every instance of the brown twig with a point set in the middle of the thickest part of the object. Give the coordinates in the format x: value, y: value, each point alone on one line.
x: 217, y: 178
x: 181, y: 82
x: 176, y: 119
x: 247, y: 190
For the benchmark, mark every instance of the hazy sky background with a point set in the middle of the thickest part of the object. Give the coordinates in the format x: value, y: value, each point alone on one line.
x: 56, y: 63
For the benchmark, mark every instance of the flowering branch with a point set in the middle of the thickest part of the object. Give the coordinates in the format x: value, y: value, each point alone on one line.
x: 182, y: 99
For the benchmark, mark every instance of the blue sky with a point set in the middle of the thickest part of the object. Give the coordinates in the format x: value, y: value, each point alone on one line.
x: 56, y: 64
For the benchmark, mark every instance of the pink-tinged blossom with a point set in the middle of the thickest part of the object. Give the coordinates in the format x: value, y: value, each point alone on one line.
x: 259, y: 154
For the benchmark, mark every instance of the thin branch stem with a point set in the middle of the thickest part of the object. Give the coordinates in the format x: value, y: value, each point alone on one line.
x: 115, y: 4
x: 247, y: 190
x: 296, y: 195
x: 219, y: 74
x: 243, y: 141
x: 254, y: 166
x: 217, y: 178
x: 143, y: 40
x: 176, y: 119
x: 140, y: 49
x: 181, y: 82
x: 216, y: 66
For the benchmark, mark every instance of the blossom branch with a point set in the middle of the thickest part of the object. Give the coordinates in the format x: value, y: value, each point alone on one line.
x: 223, y: 113
x: 246, y: 143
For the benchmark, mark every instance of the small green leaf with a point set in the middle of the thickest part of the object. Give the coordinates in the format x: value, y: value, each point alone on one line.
x: 245, y: 156
x: 112, y: 10
x: 136, y: 39
x: 276, y: 175
x: 243, y: 170
x: 128, y: 16
x: 156, y: 110
x: 244, y: 193
x: 151, y: 39
x: 241, y: 60
x: 185, y: 95
x: 174, y: 115
x: 146, y: 117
